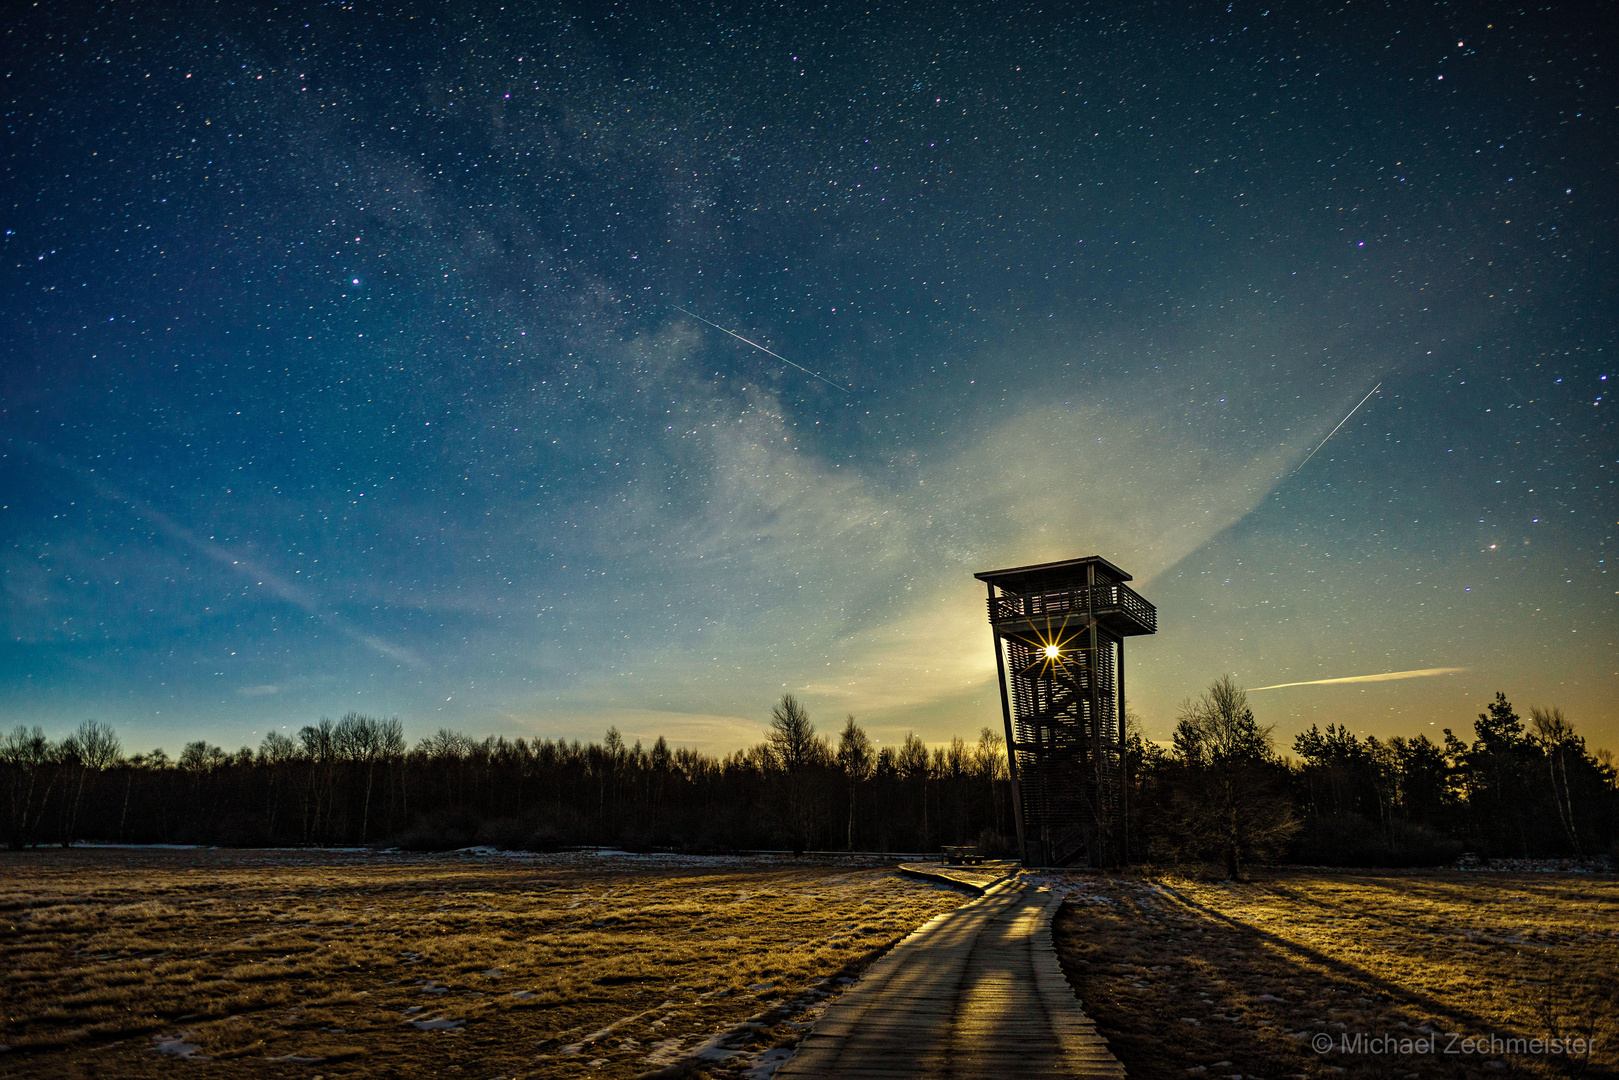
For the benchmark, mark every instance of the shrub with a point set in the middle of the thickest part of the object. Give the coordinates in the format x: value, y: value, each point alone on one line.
x: 440, y: 831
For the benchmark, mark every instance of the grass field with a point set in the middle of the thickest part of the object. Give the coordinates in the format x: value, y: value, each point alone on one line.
x: 138, y: 963
x: 1197, y: 979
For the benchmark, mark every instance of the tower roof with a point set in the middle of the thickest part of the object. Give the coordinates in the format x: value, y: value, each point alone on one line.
x: 1042, y: 576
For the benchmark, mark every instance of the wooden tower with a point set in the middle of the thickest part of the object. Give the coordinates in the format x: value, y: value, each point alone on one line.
x: 1059, y: 633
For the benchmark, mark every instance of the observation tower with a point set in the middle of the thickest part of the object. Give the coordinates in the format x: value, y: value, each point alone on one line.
x: 1059, y: 633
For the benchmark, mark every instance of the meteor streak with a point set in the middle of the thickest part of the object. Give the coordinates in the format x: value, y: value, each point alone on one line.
x: 762, y: 349
x: 1387, y: 676
x: 1334, y: 431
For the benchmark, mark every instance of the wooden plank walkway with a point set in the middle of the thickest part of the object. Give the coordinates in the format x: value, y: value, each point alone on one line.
x: 976, y: 992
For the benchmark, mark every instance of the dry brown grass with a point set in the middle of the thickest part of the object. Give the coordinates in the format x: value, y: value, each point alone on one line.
x: 1194, y: 978
x: 297, y: 963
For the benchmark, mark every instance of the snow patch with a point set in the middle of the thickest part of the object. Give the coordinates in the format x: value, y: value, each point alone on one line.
x: 177, y: 1046
x: 664, y: 1053
x: 437, y: 1023
x: 768, y: 1063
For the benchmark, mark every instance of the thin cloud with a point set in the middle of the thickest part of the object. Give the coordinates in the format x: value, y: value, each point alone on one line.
x: 1387, y: 676
x: 235, y: 563
x: 885, y: 616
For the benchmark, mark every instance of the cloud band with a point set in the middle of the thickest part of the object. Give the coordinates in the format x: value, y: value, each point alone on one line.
x: 1387, y: 676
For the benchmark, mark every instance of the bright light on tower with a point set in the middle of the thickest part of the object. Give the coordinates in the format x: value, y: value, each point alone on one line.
x: 1052, y: 652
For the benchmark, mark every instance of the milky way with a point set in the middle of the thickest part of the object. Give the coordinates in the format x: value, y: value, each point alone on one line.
x: 346, y: 364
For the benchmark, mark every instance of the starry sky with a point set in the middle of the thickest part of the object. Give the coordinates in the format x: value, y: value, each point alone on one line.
x: 366, y: 356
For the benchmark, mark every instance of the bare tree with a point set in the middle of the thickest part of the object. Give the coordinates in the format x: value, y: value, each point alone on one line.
x: 318, y: 743
x: 391, y: 748
x: 1556, y: 736
x: 989, y: 761
x: 277, y: 752
x: 277, y: 749
x: 1228, y: 802
x: 791, y: 737
x: 856, y: 759
x: 201, y: 756
x: 912, y: 762
x: 1220, y: 727
x: 26, y: 754
x: 92, y: 750
x: 366, y: 740
x: 98, y: 745
x: 794, y: 749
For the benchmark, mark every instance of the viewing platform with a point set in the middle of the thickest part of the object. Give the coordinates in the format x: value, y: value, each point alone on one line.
x: 1031, y: 598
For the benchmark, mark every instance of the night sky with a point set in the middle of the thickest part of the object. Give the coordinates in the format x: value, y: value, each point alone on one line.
x: 354, y: 358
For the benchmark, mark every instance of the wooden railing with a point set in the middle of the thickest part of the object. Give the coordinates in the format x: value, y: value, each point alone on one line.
x: 1105, y: 598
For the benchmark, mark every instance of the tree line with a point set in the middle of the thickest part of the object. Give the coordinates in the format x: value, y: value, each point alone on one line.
x: 1220, y: 792
x: 358, y: 781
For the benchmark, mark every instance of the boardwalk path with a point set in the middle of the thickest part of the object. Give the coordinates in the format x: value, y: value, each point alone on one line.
x: 974, y: 993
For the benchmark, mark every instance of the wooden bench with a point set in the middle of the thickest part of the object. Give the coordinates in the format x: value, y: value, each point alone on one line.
x: 962, y: 855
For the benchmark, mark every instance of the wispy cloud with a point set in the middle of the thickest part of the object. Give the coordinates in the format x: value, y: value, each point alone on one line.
x: 853, y: 586
x: 1090, y: 487
x: 1386, y: 676
x: 237, y: 563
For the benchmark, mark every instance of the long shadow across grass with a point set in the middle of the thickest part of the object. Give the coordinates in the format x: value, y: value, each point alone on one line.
x: 1382, y: 990
x: 1192, y: 979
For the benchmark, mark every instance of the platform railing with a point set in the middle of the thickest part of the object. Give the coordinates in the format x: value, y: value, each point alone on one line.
x: 1108, y: 597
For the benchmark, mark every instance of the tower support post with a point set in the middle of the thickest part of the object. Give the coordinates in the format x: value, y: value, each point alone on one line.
x: 1011, y: 745
x: 1124, y: 769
